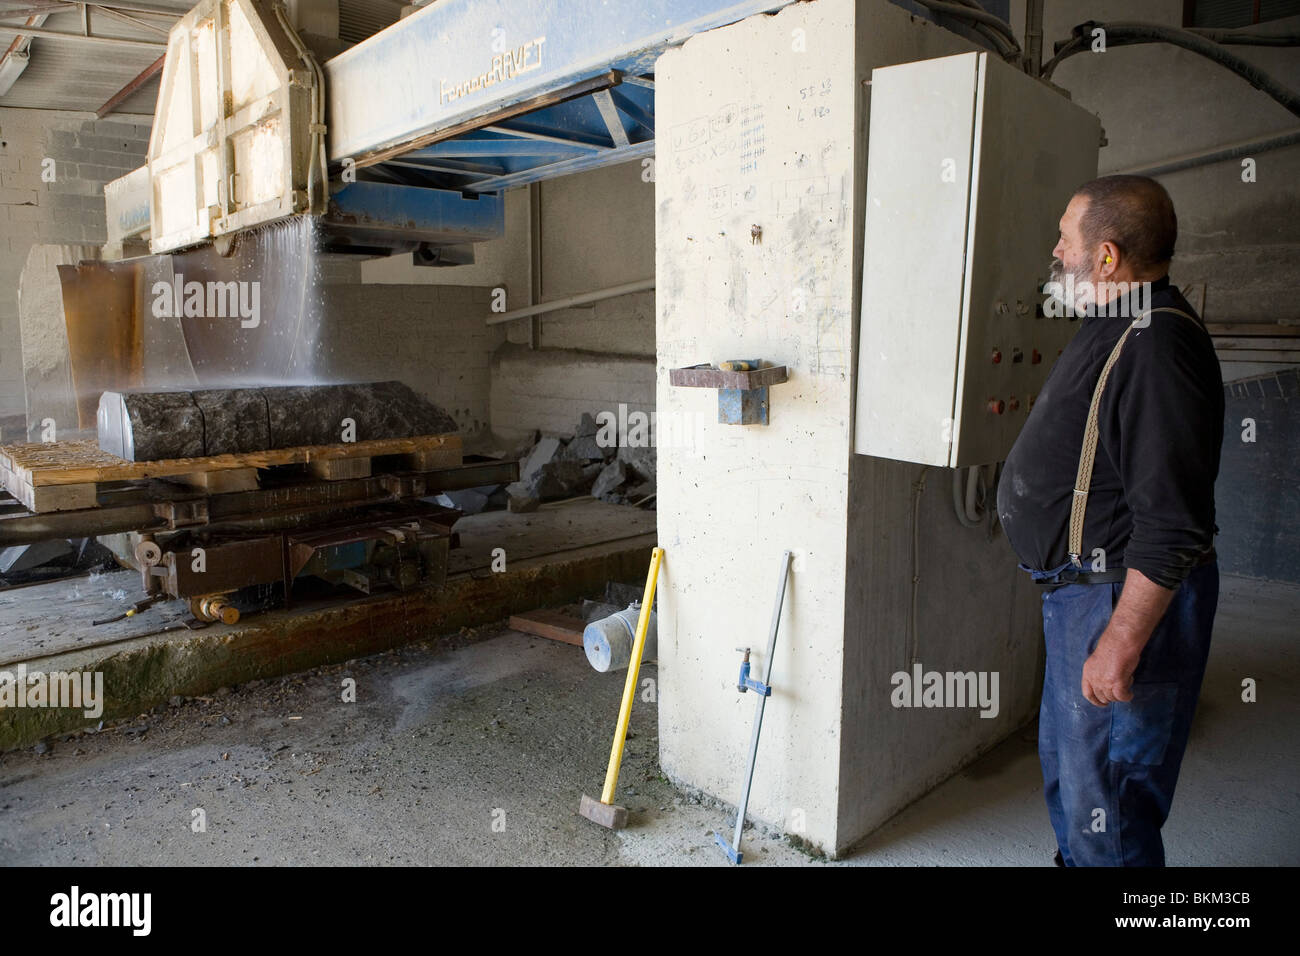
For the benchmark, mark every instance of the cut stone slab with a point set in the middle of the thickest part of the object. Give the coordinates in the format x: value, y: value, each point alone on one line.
x: 585, y: 448
x: 563, y: 478
x: 154, y: 424
x: 640, y: 460
x: 234, y: 420
x: 543, y: 452
x: 611, y: 477
x: 24, y: 557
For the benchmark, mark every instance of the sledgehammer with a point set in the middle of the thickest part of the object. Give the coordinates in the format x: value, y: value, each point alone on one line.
x: 605, y: 811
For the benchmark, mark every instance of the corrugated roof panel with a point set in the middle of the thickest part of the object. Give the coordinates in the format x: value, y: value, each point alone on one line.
x: 72, y: 75
x: 359, y: 19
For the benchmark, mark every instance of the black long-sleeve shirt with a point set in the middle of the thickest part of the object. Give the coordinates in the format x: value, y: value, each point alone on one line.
x: 1151, y: 501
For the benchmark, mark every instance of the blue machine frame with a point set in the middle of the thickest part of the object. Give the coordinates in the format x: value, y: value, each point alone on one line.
x: 481, y: 95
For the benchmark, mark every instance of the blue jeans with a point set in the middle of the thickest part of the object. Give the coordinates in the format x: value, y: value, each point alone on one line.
x: 1109, y: 772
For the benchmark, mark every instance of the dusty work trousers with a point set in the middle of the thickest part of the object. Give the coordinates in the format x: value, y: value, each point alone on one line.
x: 1109, y: 772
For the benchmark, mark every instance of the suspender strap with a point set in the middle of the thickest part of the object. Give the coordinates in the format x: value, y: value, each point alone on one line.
x: 1088, y: 453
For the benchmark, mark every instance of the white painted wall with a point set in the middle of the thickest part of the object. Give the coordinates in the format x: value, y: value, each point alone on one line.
x: 836, y: 758
x: 751, y: 132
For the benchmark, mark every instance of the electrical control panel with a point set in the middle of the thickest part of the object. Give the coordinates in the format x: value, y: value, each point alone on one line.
x: 970, y: 165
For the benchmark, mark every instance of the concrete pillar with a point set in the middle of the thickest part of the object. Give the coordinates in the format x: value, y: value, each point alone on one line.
x: 760, y: 177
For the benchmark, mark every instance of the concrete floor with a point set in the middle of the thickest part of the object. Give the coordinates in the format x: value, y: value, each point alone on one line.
x: 475, y: 749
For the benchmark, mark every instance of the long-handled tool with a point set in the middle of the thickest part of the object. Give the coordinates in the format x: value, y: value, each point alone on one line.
x: 763, y: 689
x: 135, y: 609
x: 605, y: 811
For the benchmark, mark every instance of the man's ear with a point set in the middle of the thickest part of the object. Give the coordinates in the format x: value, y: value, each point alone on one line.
x: 1107, y: 260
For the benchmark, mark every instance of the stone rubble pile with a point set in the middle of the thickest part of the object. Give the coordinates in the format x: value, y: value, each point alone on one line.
x: 554, y: 468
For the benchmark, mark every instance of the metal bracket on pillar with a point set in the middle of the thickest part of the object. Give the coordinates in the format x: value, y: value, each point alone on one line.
x: 742, y: 386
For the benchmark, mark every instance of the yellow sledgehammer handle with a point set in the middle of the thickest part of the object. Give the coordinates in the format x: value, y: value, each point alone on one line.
x: 629, y: 688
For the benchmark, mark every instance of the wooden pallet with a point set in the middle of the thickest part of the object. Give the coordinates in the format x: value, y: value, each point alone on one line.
x: 66, y: 475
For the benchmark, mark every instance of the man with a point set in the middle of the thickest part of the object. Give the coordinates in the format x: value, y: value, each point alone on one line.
x: 1123, y: 544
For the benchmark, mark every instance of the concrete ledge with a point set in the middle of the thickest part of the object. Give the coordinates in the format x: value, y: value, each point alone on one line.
x: 143, y: 672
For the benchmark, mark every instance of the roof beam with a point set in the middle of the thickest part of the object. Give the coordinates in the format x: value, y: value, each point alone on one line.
x: 20, y: 30
x: 133, y: 6
x: 126, y: 17
x: 34, y: 11
x: 131, y: 88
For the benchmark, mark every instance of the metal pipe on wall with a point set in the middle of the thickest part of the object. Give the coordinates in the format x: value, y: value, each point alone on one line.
x: 1034, y: 37
x: 1246, y: 147
x: 643, y: 285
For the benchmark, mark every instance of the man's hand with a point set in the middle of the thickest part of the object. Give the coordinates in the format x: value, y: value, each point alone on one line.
x: 1108, y: 671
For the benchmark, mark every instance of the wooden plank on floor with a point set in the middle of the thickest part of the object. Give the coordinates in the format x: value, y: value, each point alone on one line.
x: 551, y: 624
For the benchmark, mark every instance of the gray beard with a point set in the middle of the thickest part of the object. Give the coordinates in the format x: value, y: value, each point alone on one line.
x: 1069, y: 296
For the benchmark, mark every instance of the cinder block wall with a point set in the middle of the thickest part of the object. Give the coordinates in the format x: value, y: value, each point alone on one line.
x: 87, y: 153
x: 597, y: 231
x: 550, y: 389
x: 432, y: 337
